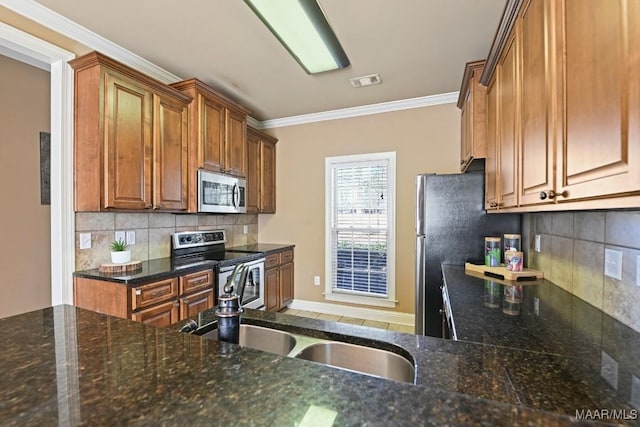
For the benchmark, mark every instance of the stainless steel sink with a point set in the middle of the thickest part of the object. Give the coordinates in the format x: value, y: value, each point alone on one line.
x: 367, y: 360
x: 264, y: 339
x: 352, y: 357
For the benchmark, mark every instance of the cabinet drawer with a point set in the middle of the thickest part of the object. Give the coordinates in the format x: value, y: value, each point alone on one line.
x: 161, y: 315
x: 144, y: 296
x: 193, y: 304
x: 272, y: 260
x: 195, y: 281
x: 286, y: 256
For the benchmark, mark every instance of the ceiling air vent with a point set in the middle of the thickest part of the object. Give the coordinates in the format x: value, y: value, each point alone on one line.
x: 371, y: 79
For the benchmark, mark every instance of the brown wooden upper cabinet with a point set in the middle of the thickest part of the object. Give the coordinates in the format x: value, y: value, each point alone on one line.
x: 218, y: 134
x: 130, y: 139
x: 261, y: 172
x: 567, y: 105
x: 473, y: 103
x: 491, y: 161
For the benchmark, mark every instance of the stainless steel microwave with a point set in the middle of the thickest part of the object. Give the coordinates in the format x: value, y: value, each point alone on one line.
x: 219, y: 193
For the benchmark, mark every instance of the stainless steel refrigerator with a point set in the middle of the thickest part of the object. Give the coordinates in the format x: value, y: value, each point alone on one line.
x: 451, y: 224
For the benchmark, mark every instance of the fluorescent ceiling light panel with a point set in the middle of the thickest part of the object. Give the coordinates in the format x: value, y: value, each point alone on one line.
x: 302, y: 28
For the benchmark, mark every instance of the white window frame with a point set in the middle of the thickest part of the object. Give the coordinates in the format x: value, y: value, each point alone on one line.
x: 329, y: 294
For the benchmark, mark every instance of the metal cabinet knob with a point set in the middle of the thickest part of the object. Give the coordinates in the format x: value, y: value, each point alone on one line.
x: 552, y: 194
x: 493, y: 205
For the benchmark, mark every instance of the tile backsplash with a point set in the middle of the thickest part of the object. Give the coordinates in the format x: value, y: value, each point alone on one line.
x: 152, y: 231
x: 573, y: 257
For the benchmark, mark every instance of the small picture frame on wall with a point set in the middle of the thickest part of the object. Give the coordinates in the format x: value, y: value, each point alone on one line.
x: 45, y: 168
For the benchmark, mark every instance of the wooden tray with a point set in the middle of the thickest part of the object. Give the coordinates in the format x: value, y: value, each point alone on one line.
x: 502, y: 273
x: 127, y: 267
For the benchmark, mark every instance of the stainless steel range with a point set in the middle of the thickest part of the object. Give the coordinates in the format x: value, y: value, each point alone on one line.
x: 189, y: 248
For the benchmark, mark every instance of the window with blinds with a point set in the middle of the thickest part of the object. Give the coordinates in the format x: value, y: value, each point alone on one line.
x: 360, y: 211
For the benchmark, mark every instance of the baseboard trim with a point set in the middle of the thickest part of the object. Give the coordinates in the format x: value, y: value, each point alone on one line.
x: 407, y: 319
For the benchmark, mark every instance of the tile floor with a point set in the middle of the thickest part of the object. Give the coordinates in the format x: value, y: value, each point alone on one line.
x: 352, y: 320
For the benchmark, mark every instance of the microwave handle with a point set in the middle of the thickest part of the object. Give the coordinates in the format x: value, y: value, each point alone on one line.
x: 236, y: 195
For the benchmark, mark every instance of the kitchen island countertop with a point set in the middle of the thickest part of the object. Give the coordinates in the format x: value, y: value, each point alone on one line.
x: 69, y: 366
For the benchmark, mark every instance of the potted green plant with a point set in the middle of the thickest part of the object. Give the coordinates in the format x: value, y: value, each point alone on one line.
x: 119, y: 252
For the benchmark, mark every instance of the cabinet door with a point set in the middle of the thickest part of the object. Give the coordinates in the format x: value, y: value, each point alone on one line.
x: 536, y: 166
x: 286, y: 284
x: 507, y: 81
x: 191, y: 305
x: 211, y: 136
x: 170, y: 141
x: 254, y: 172
x: 599, y: 153
x: 465, y: 132
x: 161, y: 315
x: 271, y: 285
x: 236, y: 144
x: 491, y: 163
x: 128, y: 150
x: 268, y: 178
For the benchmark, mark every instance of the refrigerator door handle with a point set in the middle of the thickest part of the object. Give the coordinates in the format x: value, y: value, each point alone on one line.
x: 421, y: 182
x: 420, y: 286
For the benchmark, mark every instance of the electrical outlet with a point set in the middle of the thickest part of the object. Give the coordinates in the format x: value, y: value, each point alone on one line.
x: 316, y: 280
x: 609, y: 370
x: 120, y: 236
x: 131, y: 237
x: 85, y: 240
x: 613, y: 264
x: 537, y: 243
x: 245, y: 229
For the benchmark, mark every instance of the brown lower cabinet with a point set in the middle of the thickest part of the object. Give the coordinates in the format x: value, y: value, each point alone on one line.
x: 278, y: 280
x: 159, y: 303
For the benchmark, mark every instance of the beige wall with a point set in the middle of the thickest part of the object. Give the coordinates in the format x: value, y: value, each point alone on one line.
x: 25, y: 264
x: 424, y: 139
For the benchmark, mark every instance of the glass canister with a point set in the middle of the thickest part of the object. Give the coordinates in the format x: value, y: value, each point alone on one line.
x: 492, y: 251
x: 511, y: 243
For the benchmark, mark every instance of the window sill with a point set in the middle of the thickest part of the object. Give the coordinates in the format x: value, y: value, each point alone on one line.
x: 363, y: 300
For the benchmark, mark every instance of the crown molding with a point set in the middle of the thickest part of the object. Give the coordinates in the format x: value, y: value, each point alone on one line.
x: 60, y: 24
x: 256, y: 124
x: 364, y: 110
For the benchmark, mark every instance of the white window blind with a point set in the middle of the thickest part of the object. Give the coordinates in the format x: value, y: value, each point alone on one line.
x: 361, y: 206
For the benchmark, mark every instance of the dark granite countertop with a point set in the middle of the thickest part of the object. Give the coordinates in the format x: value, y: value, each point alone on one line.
x: 69, y: 366
x: 550, y: 323
x: 162, y: 268
x: 265, y: 248
x: 152, y: 270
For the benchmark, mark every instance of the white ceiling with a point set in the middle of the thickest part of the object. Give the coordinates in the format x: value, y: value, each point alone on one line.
x: 419, y: 47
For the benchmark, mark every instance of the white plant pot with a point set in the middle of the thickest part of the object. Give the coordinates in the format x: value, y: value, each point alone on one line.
x: 120, y: 257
